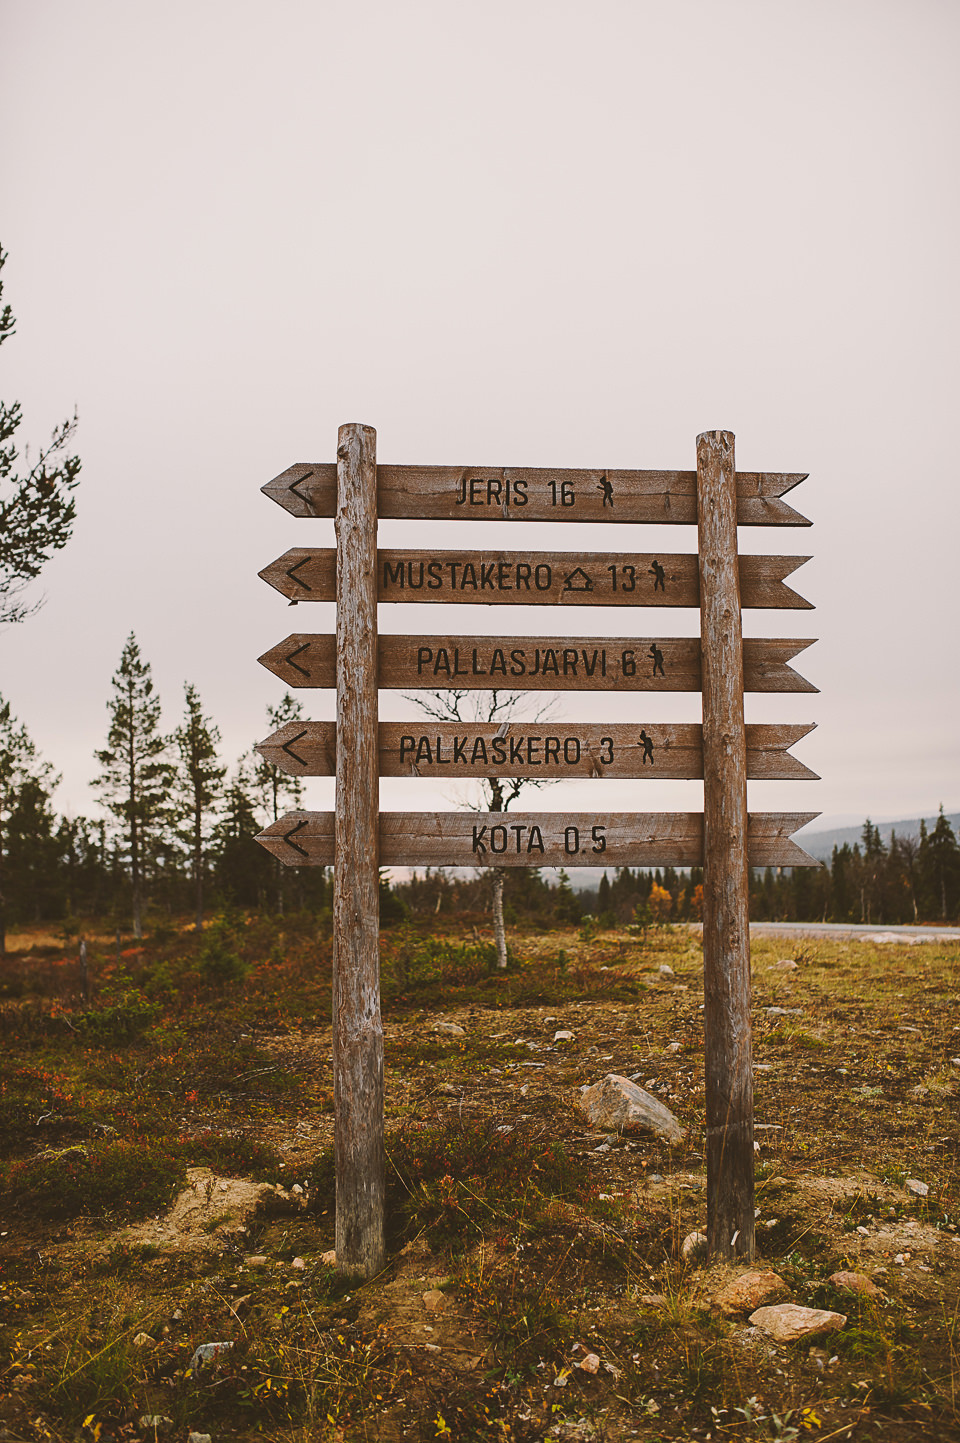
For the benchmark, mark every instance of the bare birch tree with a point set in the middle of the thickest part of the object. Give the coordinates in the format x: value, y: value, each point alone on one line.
x: 499, y: 792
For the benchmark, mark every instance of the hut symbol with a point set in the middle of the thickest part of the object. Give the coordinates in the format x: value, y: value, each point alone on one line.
x: 578, y: 580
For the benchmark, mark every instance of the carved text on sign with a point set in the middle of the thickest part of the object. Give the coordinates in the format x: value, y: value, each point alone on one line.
x: 559, y: 661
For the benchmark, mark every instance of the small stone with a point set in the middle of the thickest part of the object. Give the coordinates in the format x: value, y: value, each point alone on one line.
x: 258, y: 1260
x: 665, y: 970
x: 297, y: 1189
x: 787, y: 964
x: 656, y: 1177
x: 199, y: 1438
x: 434, y: 1301
x: 144, y: 1340
x: 329, y: 1259
x: 432, y: 1347
x: 589, y: 1364
x: 820, y: 1358
x: 693, y: 1246
x: 208, y: 1353
x: 918, y: 1188
x: 775, y: 1011
x: 615, y: 1102
x: 955, y: 1062
x: 749, y: 1291
x: 672, y: 1048
x: 864, y: 1232
x: 855, y: 1283
x: 299, y: 1264
x: 788, y: 1322
x: 449, y: 1029
x: 447, y: 1089
x: 563, y: 1035
x: 156, y: 1422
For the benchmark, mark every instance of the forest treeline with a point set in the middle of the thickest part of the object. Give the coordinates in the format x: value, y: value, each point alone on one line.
x: 176, y: 825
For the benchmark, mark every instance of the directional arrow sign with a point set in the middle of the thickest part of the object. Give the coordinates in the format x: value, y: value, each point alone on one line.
x: 520, y: 578
x: 538, y: 839
x: 524, y: 663
x: 561, y: 750
x: 497, y: 493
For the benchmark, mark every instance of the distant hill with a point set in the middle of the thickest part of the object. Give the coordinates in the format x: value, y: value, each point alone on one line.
x: 821, y: 844
x: 818, y: 844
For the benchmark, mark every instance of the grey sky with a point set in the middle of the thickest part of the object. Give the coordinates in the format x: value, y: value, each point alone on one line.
x: 503, y: 234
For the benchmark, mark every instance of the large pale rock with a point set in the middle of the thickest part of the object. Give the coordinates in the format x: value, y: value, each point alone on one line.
x: 788, y: 1322
x: 750, y: 1291
x: 617, y: 1103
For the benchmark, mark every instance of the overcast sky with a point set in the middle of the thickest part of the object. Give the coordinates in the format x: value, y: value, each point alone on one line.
x: 523, y: 232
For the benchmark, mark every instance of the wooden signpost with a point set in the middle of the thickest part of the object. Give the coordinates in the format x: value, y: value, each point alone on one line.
x: 356, y: 839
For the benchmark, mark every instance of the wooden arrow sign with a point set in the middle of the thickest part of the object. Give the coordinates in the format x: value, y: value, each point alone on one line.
x: 537, y: 839
x: 524, y: 663
x: 562, y: 750
x: 497, y: 493
x: 558, y: 578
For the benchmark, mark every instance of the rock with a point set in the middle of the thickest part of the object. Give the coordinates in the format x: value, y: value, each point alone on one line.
x: 665, y: 970
x: 786, y: 964
x: 855, y: 1283
x: 449, y: 1029
x: 199, y: 1437
x: 144, y: 1340
x: 564, y: 1035
x: 297, y: 1190
x: 749, y: 1291
x: 788, y: 1322
x: 693, y: 1246
x: 257, y: 1260
x: 615, y: 1102
x: 775, y: 1011
x: 329, y: 1259
x: 589, y: 1364
x: 299, y: 1264
x: 434, y: 1301
x: 208, y: 1353
x: 672, y: 1048
x: 918, y: 1188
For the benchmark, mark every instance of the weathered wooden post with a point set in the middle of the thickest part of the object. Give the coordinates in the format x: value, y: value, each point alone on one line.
x: 357, y: 1027
x: 726, y: 922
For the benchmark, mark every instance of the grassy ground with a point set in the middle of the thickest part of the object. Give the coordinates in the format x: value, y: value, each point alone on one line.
x: 520, y: 1242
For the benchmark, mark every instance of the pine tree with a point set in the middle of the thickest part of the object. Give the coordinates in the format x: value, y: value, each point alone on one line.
x: 136, y: 778
x: 199, y: 786
x: 26, y: 783
x: 36, y: 514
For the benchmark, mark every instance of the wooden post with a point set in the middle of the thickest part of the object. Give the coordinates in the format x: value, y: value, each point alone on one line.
x: 357, y: 1027
x: 726, y: 924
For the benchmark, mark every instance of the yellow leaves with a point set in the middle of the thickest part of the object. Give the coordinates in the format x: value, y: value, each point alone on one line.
x: 93, y: 1426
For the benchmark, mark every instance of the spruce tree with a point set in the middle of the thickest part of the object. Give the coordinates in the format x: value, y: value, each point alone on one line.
x: 136, y: 778
x: 36, y: 509
x: 199, y: 786
x: 276, y: 790
x: 26, y: 783
x: 938, y: 863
